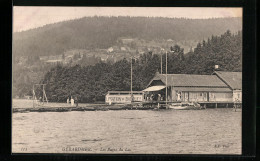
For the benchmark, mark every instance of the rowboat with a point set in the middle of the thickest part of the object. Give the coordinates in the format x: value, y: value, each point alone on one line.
x: 184, y: 106
x: 178, y: 107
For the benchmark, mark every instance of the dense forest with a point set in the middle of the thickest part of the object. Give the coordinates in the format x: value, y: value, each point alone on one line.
x: 91, y: 83
x: 103, y: 32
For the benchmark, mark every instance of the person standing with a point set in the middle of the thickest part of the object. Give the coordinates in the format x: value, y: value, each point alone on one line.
x: 68, y: 100
x: 159, y: 97
x: 72, y: 101
x: 178, y: 96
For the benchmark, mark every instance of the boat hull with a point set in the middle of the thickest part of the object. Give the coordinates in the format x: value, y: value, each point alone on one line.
x: 181, y: 106
x: 178, y: 107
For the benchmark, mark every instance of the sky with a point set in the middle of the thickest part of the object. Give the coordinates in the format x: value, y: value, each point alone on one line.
x: 25, y: 18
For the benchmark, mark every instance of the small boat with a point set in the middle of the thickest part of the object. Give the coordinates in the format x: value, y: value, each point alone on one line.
x: 184, y: 106
x: 178, y: 107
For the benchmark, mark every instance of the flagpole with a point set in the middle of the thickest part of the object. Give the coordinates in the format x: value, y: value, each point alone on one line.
x: 161, y: 63
x: 131, y: 80
x: 166, y: 80
x: 33, y: 95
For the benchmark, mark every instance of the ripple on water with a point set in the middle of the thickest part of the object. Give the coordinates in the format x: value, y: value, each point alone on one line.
x: 20, y: 118
x: 20, y: 143
x: 165, y: 131
x: 92, y: 140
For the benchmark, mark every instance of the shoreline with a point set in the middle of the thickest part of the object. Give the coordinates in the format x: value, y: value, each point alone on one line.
x: 86, y: 108
x: 97, y: 108
x: 25, y: 106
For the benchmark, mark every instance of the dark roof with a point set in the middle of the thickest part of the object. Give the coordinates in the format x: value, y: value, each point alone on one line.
x: 189, y: 80
x: 203, y: 89
x: 125, y: 91
x: 232, y: 79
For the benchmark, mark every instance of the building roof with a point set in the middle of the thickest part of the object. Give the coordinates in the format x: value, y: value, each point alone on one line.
x: 53, y: 61
x: 125, y: 91
x: 189, y: 80
x: 123, y: 48
x: 232, y: 79
x: 110, y: 49
x: 203, y: 89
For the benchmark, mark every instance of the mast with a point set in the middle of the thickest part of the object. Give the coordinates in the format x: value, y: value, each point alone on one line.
x: 43, y: 93
x: 161, y: 63
x: 33, y: 96
x: 131, y: 80
x: 166, y: 81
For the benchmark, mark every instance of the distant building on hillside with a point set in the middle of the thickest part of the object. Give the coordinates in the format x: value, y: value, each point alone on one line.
x: 53, y: 62
x: 169, y: 40
x: 123, y: 49
x: 126, y: 40
x: 109, y: 50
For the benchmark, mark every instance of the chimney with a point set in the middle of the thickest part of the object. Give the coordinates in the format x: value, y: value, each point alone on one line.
x: 216, y: 67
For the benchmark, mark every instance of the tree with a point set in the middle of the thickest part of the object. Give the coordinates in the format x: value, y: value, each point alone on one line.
x: 92, y: 82
x: 177, y: 50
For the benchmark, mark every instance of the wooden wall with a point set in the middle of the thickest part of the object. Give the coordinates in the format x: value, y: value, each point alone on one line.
x: 237, y: 95
x: 220, y: 96
x: 123, y: 98
x: 202, y: 96
x: 198, y: 96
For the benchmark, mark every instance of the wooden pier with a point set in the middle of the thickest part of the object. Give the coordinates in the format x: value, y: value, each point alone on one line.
x: 220, y: 104
x: 205, y: 104
x: 149, y: 105
x: 103, y: 107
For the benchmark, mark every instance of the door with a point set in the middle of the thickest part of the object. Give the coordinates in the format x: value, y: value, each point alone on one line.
x: 186, y: 97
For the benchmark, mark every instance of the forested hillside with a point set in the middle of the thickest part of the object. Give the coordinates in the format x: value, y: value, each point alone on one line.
x: 103, y: 32
x: 91, y: 83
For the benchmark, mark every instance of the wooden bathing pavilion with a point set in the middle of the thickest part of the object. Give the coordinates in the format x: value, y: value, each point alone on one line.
x: 221, y: 89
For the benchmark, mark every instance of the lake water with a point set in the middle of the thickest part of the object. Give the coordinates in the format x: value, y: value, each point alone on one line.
x: 210, y: 131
